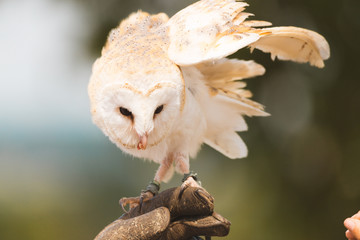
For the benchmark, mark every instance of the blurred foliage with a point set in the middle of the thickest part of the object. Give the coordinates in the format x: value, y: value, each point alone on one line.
x: 300, y: 180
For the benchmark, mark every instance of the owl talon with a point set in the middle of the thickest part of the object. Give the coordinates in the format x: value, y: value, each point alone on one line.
x: 189, y: 180
x: 135, y: 201
x: 151, y: 190
x: 132, y: 202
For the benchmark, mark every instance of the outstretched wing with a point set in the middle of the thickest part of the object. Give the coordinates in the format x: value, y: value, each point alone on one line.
x: 212, y: 29
x: 209, y: 30
x: 228, y: 97
x: 293, y: 43
x: 223, y: 77
x: 204, y: 33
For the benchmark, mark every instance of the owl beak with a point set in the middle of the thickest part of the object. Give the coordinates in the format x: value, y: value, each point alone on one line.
x: 142, y: 142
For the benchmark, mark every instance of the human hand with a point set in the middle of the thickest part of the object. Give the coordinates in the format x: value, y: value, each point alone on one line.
x: 168, y: 216
x: 353, y: 226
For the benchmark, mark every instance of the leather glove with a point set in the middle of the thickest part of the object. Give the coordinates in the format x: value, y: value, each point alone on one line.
x: 169, y: 216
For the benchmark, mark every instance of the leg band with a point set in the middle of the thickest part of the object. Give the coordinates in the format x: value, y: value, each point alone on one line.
x: 153, y: 187
x: 193, y: 175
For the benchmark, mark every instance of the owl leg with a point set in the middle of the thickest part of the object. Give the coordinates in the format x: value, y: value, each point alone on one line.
x: 152, y: 189
x: 164, y: 169
x: 190, y: 178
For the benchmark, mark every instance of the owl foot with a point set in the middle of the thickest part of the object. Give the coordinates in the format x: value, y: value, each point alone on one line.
x: 131, y: 201
x: 151, y: 190
x: 189, y: 180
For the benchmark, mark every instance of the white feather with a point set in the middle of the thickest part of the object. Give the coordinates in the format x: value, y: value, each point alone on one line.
x: 223, y: 114
x: 293, y: 43
x: 204, y: 31
x: 228, y: 143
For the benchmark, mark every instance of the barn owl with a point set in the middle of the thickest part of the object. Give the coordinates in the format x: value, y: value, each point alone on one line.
x: 163, y: 86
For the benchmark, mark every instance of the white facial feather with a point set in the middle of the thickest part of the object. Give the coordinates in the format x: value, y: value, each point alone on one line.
x: 162, y: 86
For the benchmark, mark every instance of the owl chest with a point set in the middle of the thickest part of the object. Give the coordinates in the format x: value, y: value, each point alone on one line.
x: 189, y: 131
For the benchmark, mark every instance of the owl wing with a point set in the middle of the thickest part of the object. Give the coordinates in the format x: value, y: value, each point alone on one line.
x: 213, y: 29
x: 204, y: 33
x: 228, y: 97
x: 293, y: 43
x: 209, y: 30
x: 223, y: 77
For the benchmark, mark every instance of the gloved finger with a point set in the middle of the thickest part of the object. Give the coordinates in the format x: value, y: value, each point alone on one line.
x: 193, y: 202
x: 148, y: 226
x: 184, y: 229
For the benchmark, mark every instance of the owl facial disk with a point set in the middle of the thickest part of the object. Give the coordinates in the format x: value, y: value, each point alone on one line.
x: 134, y: 118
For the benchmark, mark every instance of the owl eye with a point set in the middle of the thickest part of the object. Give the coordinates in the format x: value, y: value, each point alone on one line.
x: 159, y: 109
x: 125, y: 112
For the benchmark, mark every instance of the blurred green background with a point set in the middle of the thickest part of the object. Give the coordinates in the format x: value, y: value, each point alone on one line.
x: 61, y: 178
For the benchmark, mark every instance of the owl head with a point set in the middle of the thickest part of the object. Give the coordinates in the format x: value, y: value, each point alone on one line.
x: 136, y: 109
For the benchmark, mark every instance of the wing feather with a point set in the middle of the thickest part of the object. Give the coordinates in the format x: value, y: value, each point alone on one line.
x: 213, y: 29
x: 293, y: 43
x: 228, y: 96
x: 223, y: 77
x: 206, y: 31
x: 228, y: 143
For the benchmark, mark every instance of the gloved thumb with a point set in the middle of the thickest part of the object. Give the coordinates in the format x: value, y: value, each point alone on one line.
x: 148, y: 226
